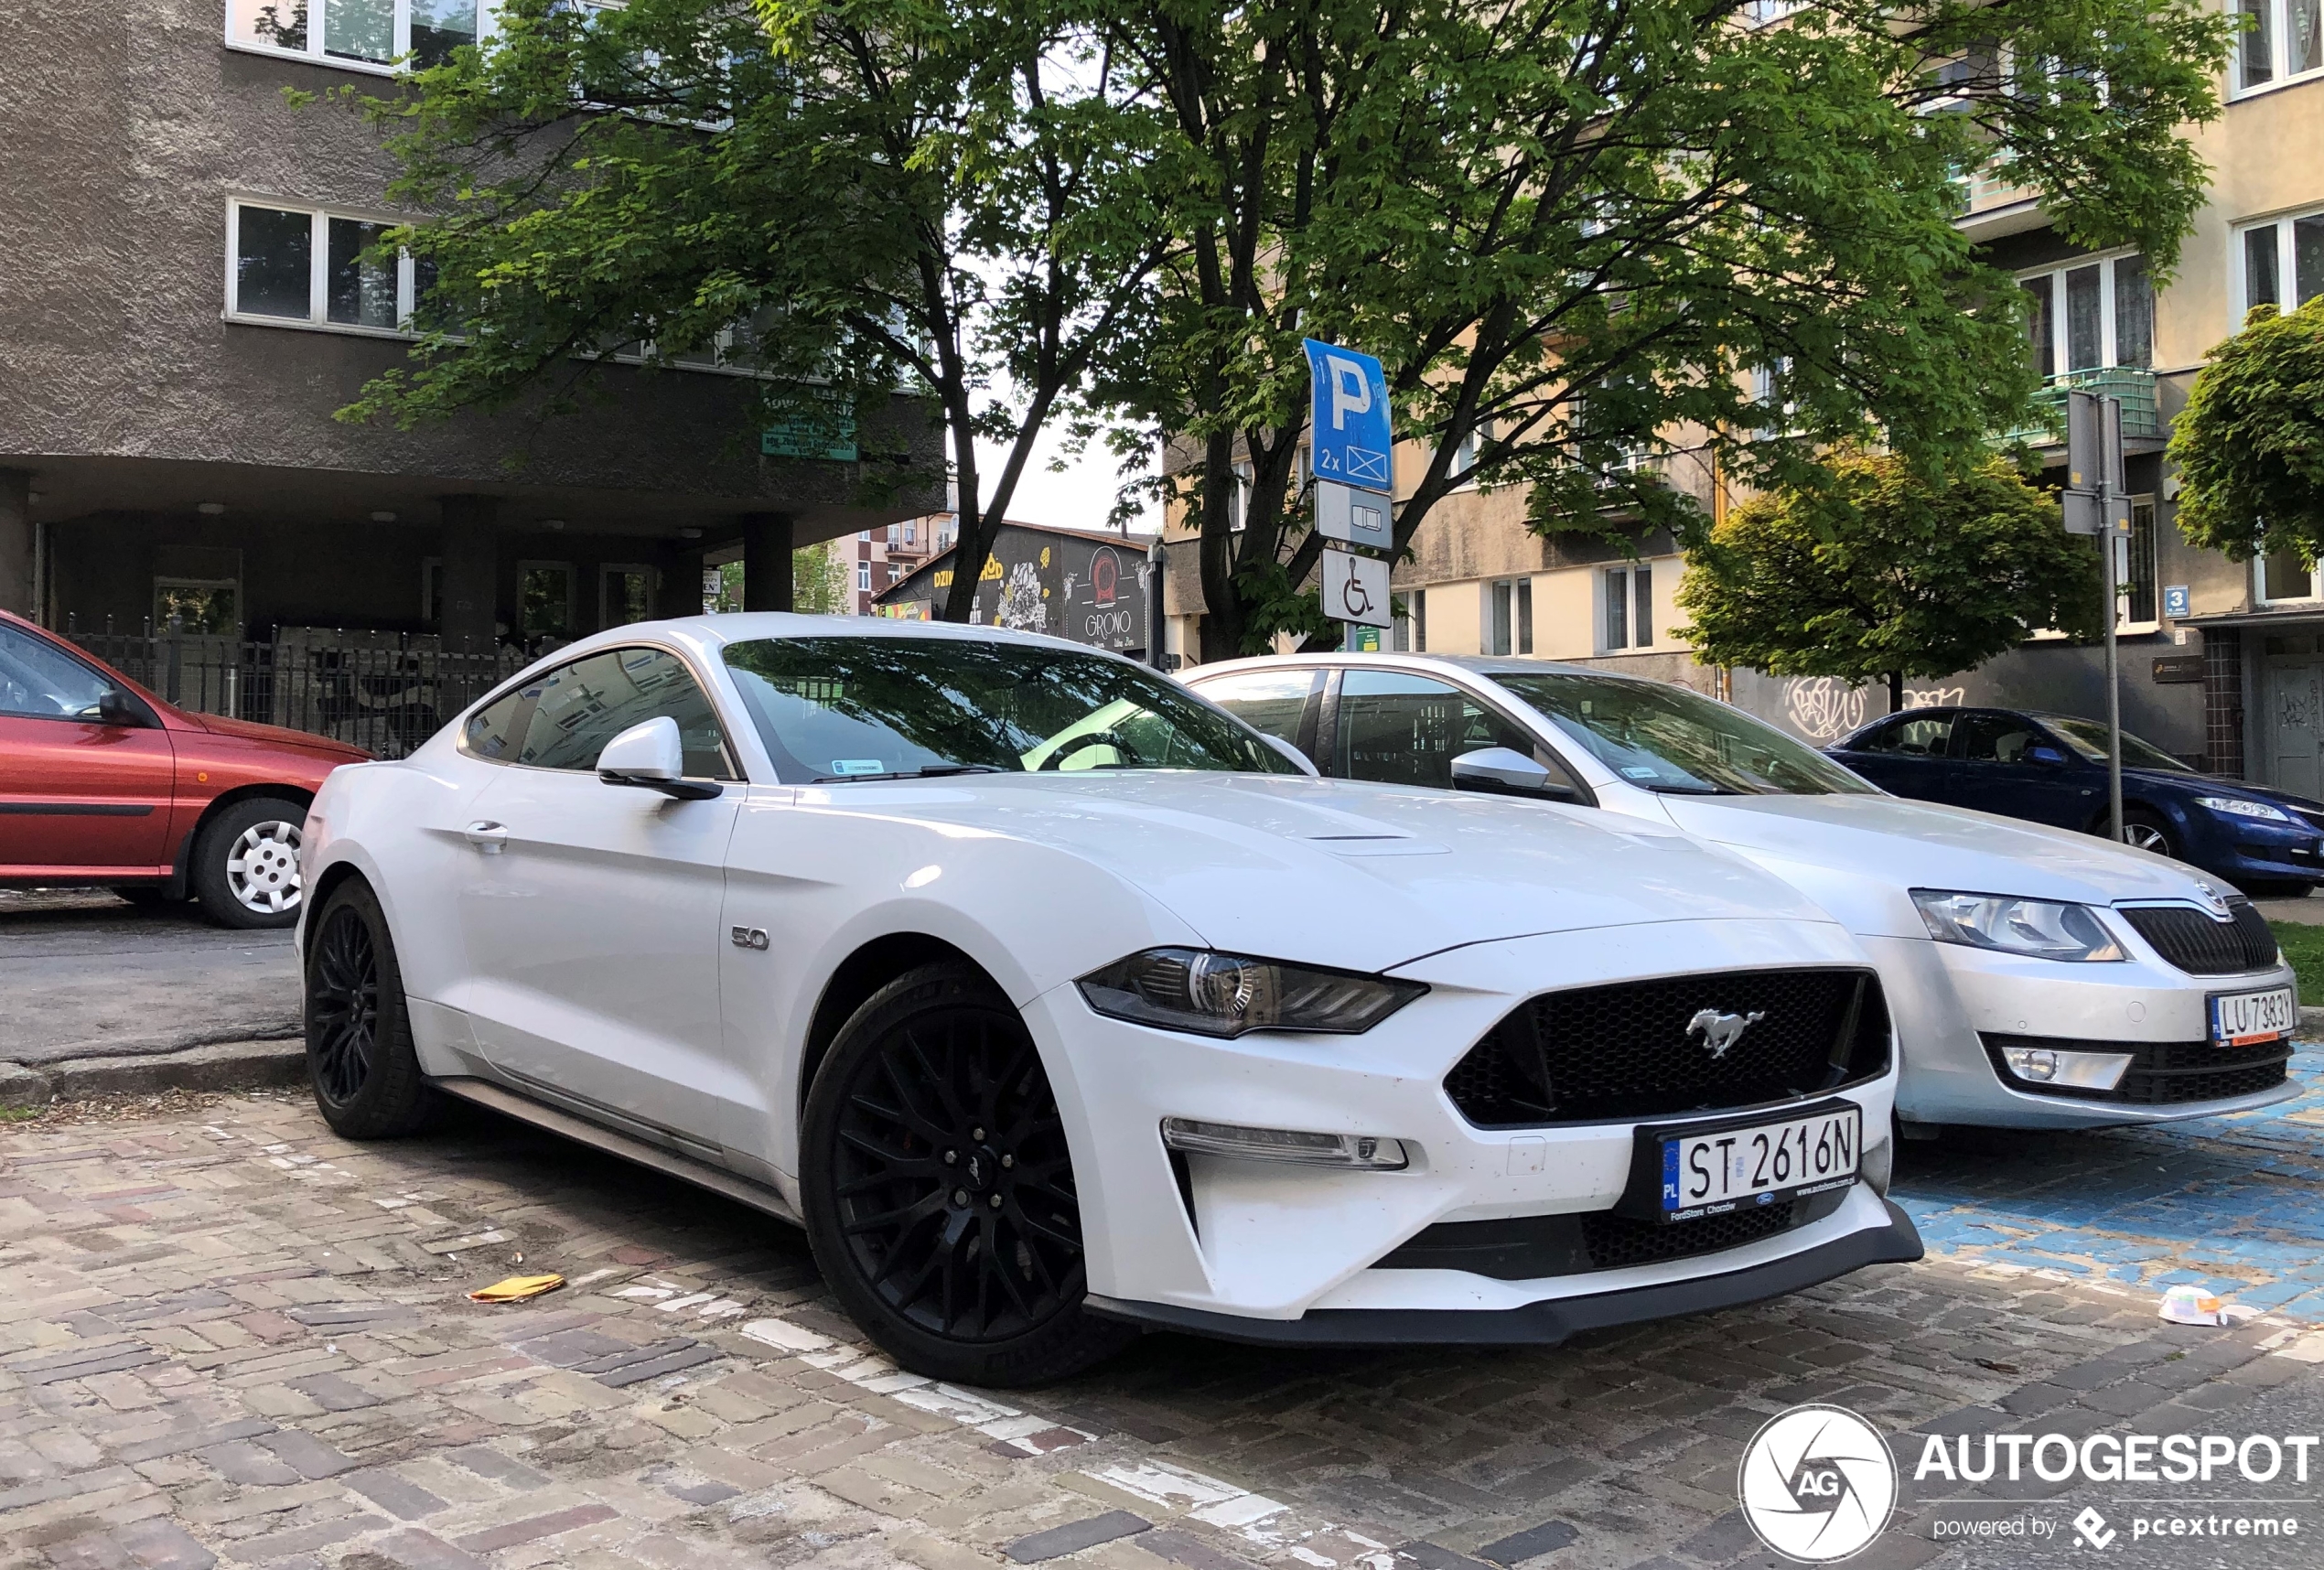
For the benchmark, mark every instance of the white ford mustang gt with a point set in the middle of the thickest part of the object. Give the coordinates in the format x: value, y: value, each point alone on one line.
x: 1055, y: 1002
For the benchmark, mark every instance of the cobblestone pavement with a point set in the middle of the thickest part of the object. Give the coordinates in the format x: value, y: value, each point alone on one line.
x: 228, y: 1336
x: 2229, y: 1204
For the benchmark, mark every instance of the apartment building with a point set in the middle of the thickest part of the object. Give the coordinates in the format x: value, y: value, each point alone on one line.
x: 187, y: 303
x: 2222, y: 663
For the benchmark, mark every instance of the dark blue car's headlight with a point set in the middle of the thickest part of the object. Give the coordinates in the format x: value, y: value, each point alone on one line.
x: 2245, y: 807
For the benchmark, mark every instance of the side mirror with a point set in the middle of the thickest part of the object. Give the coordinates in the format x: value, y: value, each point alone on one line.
x: 116, y: 707
x: 1504, y: 770
x: 2048, y: 757
x: 1306, y: 765
x: 650, y: 756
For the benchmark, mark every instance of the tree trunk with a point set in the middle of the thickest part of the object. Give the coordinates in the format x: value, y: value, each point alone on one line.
x: 1895, y: 691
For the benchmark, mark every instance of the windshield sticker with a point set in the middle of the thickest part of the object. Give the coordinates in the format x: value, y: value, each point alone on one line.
x: 1640, y: 773
x: 857, y: 766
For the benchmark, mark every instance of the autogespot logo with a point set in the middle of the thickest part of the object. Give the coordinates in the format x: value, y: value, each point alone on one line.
x: 1817, y: 1483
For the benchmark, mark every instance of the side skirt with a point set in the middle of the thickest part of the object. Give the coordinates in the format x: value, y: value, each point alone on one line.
x: 484, y: 1093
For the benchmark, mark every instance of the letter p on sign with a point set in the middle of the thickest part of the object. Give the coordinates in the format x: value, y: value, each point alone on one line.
x: 1350, y: 390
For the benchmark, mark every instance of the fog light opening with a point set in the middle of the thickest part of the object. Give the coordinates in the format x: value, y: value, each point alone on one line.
x: 2070, y: 1071
x: 1364, y: 1151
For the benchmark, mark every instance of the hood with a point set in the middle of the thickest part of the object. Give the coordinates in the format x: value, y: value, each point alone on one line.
x: 1356, y: 876
x: 277, y: 736
x: 1919, y: 844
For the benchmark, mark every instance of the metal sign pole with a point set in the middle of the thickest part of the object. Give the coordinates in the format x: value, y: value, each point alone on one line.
x: 2114, y: 694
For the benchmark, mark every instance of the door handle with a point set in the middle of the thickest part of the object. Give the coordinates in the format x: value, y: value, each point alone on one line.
x: 487, y: 836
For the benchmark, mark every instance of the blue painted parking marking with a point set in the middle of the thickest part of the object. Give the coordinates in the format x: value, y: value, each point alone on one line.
x: 2235, y: 1205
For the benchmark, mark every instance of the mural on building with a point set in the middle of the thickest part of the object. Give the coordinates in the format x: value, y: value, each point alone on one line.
x: 1088, y: 587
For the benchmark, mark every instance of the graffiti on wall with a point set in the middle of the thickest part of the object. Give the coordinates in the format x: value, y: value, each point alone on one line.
x: 1825, y: 708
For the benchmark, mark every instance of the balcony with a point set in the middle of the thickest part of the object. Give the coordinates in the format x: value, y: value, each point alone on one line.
x: 2142, y: 409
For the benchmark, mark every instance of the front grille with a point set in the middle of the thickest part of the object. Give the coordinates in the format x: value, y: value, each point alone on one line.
x: 1531, y: 1247
x: 2200, y: 945
x: 1613, y: 1053
x: 2161, y: 1074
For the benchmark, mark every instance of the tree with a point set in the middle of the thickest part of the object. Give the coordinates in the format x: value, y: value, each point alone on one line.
x: 1572, y: 227
x: 2250, y: 443
x: 819, y: 584
x: 855, y: 199
x: 1882, y: 571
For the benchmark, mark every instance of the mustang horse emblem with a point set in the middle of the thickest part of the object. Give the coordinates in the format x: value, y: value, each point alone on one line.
x: 1721, y: 1031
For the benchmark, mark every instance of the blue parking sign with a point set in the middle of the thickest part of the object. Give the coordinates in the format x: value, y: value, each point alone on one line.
x: 1349, y: 414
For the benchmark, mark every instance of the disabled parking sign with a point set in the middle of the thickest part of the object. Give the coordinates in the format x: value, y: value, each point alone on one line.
x: 1349, y: 414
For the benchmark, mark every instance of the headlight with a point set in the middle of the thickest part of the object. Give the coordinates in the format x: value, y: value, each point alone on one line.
x: 1226, y: 995
x: 2042, y: 928
x: 2238, y: 807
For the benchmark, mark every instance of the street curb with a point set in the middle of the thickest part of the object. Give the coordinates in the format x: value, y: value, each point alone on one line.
x: 222, y: 1066
x: 2311, y: 1021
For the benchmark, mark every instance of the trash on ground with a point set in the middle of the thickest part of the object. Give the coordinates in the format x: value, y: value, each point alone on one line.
x: 517, y: 1288
x: 2191, y: 1306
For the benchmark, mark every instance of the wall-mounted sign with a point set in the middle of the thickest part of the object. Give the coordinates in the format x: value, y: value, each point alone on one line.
x: 827, y: 433
x: 2179, y: 668
x: 2177, y: 601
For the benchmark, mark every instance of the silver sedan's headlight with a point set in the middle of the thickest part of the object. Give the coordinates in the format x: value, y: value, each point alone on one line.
x: 2242, y: 807
x: 2039, y: 928
x: 1227, y: 995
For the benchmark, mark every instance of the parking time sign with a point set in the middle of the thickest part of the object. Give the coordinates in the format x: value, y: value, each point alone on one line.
x: 1349, y: 414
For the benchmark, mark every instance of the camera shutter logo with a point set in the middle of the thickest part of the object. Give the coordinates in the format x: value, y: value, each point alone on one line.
x: 1817, y: 1484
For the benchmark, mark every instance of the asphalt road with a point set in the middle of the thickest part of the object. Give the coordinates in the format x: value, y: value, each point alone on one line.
x: 85, y: 974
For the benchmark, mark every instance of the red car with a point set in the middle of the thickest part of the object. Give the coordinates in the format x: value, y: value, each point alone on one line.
x: 101, y: 782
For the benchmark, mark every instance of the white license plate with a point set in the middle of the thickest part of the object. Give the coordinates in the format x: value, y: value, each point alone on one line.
x: 1709, y: 1174
x: 2238, y: 1017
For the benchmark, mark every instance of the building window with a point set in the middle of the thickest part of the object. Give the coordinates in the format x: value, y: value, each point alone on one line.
x: 357, y: 35
x: 2135, y: 567
x: 544, y: 602
x: 2283, y: 251
x: 2090, y: 315
x: 625, y: 595
x: 202, y: 607
x: 2285, y: 575
x: 2282, y: 39
x: 1509, y: 617
x: 298, y: 265
x: 863, y: 576
x: 1420, y: 621
x: 895, y: 572
x: 1628, y: 613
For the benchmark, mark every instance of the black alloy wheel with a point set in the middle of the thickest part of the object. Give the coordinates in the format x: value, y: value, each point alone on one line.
x: 342, y: 1004
x: 368, y: 1083
x: 940, y: 1188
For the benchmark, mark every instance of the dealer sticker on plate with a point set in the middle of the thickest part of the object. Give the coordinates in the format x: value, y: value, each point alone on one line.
x: 2239, y: 1018
x: 1727, y: 1169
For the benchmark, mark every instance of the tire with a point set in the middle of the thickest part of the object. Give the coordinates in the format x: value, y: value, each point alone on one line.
x: 245, y: 864
x: 939, y: 1192
x: 2144, y: 831
x: 366, y: 1076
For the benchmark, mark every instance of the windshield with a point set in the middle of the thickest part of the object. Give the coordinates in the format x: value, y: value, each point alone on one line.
x: 850, y: 708
x: 1669, y: 739
x: 2089, y: 738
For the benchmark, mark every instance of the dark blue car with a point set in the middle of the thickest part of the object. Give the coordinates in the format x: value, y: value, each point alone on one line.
x: 2051, y: 768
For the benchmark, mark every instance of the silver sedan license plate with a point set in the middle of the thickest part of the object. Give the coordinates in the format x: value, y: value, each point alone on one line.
x: 1711, y: 1173
x: 2239, y: 1018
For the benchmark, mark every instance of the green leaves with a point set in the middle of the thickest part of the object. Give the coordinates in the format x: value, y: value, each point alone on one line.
x: 2250, y: 443
x: 1882, y: 570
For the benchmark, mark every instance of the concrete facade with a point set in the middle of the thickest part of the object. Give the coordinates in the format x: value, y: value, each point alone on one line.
x: 146, y: 413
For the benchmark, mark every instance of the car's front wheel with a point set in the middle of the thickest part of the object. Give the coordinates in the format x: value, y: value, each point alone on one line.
x: 2146, y: 832
x: 938, y: 1189
x: 245, y: 864
x: 366, y: 1077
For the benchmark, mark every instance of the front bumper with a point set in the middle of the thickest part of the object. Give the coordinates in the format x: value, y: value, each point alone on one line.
x: 1262, y: 1242
x: 1945, y: 998
x: 1547, y: 1322
x: 2253, y: 850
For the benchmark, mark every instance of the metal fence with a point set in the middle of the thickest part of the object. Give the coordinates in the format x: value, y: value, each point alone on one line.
x: 383, y: 692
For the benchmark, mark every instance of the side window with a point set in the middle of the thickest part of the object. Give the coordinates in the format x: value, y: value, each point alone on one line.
x: 1914, y: 735
x: 491, y: 733
x: 1275, y: 702
x: 1995, y: 738
x: 1406, y: 730
x: 40, y: 680
x: 577, y: 708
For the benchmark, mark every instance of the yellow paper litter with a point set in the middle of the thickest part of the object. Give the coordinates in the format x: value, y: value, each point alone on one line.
x: 516, y: 1288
